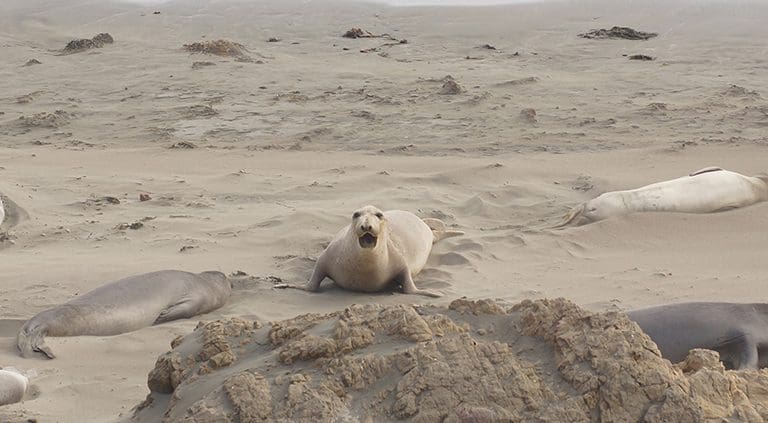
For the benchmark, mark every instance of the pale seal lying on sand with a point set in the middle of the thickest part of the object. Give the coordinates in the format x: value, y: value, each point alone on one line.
x: 126, y: 305
x: 708, y: 190
x: 378, y: 249
x: 739, y: 332
x: 10, y: 213
x: 12, y: 386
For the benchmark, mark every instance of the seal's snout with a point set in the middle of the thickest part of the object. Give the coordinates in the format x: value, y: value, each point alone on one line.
x: 368, y: 223
x: 367, y: 240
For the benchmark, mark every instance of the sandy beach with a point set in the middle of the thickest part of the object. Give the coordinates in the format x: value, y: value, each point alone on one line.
x: 253, y: 162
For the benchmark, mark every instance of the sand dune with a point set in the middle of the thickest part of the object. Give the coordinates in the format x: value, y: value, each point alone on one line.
x: 286, y: 146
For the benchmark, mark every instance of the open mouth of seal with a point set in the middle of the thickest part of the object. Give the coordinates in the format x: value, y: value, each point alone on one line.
x: 367, y: 240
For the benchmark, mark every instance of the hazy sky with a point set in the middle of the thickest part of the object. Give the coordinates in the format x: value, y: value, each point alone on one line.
x: 393, y: 2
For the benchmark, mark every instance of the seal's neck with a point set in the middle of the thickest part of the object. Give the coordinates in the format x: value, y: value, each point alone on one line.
x: 763, y: 185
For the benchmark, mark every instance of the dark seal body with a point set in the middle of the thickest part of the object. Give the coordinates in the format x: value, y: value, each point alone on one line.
x: 739, y: 332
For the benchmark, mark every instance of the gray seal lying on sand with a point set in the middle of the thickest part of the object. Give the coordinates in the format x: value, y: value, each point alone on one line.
x: 127, y: 305
x: 739, y: 332
x: 13, y: 386
x: 378, y: 249
x: 708, y: 190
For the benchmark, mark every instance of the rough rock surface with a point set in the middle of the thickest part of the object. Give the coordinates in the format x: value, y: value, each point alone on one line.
x: 618, y: 33
x: 544, y: 360
x: 52, y: 120
x: 98, y: 41
x: 224, y: 48
x: 450, y: 86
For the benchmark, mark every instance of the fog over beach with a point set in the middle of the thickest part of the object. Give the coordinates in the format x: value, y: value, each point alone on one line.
x: 143, y: 154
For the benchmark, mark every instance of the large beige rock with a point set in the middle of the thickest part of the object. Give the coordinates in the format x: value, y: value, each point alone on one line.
x: 545, y: 360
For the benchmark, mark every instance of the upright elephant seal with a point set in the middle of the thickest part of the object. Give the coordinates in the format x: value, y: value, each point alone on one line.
x: 127, y: 305
x: 13, y: 386
x: 739, y: 332
x: 708, y: 190
x: 378, y: 249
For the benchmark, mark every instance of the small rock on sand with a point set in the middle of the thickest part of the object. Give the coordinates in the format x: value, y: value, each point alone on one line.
x: 450, y: 86
x: 200, y: 65
x: 528, y: 115
x: 522, y: 81
x: 182, y: 145
x: 641, y: 57
x: 357, y: 33
x: 32, y: 62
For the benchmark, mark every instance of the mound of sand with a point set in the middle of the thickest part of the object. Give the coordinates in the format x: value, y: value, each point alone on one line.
x: 98, y: 41
x: 222, y: 48
x: 545, y: 360
x: 618, y: 32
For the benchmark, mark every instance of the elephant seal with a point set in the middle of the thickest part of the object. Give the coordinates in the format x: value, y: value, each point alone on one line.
x: 13, y: 386
x: 127, y: 305
x: 739, y: 332
x: 708, y: 190
x: 10, y: 213
x: 378, y: 249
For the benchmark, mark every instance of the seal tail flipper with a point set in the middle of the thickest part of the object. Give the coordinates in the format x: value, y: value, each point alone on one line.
x: 13, y: 213
x: 32, y: 340
x: 440, y: 229
x: 571, y: 216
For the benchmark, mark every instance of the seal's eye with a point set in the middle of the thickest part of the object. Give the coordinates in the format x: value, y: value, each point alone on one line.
x: 379, y: 215
x: 356, y: 215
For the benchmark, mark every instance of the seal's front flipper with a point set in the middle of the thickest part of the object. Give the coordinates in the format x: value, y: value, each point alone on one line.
x: 182, y: 309
x: 31, y: 341
x: 45, y: 350
x: 292, y: 286
x: 748, y: 355
x: 572, y: 217
x: 409, y: 287
x: 314, y: 282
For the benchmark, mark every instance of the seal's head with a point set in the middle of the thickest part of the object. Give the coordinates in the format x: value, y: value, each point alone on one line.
x: 217, y: 282
x: 368, y: 224
x: 604, y: 206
